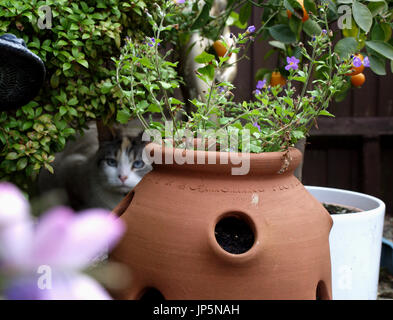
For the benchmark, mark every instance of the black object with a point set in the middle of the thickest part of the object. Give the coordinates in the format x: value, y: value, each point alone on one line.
x: 22, y: 73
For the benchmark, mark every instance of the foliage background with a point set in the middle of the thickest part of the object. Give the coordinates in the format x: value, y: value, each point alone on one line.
x: 77, y: 53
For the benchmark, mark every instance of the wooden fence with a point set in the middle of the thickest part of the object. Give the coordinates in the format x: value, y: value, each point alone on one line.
x: 353, y: 151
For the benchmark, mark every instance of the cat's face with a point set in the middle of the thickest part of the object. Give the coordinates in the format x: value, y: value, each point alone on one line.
x: 120, y: 164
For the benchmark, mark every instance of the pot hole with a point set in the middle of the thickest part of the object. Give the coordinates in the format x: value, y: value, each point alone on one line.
x: 124, y: 204
x: 234, y: 234
x: 322, y: 292
x: 151, y: 295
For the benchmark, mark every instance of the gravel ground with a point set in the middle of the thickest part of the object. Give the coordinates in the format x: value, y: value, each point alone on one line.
x: 385, y: 290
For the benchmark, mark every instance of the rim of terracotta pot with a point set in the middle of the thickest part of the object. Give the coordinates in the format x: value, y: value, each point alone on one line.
x: 221, y: 162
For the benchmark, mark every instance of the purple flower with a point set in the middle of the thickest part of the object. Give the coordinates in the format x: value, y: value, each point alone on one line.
x: 324, y: 31
x: 152, y: 42
x: 257, y: 92
x: 251, y: 29
x: 256, y: 125
x: 179, y: 1
x: 366, y: 62
x: 261, y: 84
x: 61, y: 241
x: 357, y: 62
x: 292, y: 63
x: 221, y: 89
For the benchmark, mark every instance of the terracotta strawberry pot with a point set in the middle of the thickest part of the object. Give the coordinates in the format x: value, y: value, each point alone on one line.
x: 195, y: 231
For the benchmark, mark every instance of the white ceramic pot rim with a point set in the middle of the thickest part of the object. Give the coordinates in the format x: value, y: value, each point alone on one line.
x: 371, y: 205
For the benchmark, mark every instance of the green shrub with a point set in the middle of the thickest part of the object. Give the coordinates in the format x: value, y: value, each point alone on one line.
x: 77, y: 53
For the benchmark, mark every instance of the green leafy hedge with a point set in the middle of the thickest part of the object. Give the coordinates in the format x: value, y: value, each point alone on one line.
x: 77, y: 53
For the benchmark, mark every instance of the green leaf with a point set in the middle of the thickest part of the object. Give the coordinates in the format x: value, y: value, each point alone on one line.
x: 21, y: 164
x: 345, y: 47
x: 325, y: 113
x: 83, y: 63
x: 165, y: 85
x: 245, y: 13
x: 282, y: 33
x: 73, y: 101
x: 66, y: 66
x: 382, y: 48
x: 204, y: 58
x: 204, y: 16
x: 362, y: 16
x: 207, y: 71
x: 312, y: 28
x: 12, y: 156
x: 154, y: 108
x: 54, y: 81
x: 277, y: 44
x: 123, y: 116
x: 377, y: 7
x: 297, y: 134
x: 377, y: 65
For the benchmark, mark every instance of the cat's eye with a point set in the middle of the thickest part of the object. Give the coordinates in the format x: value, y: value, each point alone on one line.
x: 138, y: 164
x: 111, y: 162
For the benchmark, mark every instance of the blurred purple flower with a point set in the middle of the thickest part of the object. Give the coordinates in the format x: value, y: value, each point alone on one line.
x: 357, y: 62
x: 366, y: 62
x: 221, y: 89
x: 179, y: 1
x: 257, y: 92
x: 256, y: 125
x: 261, y: 84
x: 152, y: 42
x: 292, y: 63
x: 324, y: 31
x: 61, y: 240
x: 251, y: 29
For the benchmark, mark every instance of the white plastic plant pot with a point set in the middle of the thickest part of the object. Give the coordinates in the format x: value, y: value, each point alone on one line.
x: 355, y: 243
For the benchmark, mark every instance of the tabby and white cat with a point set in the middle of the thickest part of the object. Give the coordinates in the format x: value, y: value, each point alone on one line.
x: 97, y: 173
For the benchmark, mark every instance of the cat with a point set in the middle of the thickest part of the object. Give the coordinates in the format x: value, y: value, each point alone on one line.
x: 97, y: 172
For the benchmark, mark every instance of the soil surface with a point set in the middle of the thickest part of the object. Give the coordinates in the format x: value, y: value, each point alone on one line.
x: 335, y: 209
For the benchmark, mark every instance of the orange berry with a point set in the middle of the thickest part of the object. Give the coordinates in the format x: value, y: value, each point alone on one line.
x: 220, y: 48
x: 277, y: 79
x: 358, y: 79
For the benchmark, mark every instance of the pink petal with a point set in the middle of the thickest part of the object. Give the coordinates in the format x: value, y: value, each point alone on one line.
x: 50, y: 235
x: 15, y: 245
x: 90, y: 234
x: 14, y: 207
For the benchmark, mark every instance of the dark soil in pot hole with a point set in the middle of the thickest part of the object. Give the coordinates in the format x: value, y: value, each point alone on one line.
x: 234, y: 235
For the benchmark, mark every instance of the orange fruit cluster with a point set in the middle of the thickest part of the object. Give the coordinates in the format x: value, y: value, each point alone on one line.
x: 357, y: 70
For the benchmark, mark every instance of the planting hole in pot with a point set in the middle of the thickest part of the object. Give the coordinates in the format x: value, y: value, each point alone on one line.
x: 151, y: 295
x: 234, y: 233
x: 322, y: 292
x: 124, y: 204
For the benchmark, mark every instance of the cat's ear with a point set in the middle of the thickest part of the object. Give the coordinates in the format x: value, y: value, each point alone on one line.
x: 137, y: 140
x: 106, y: 133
